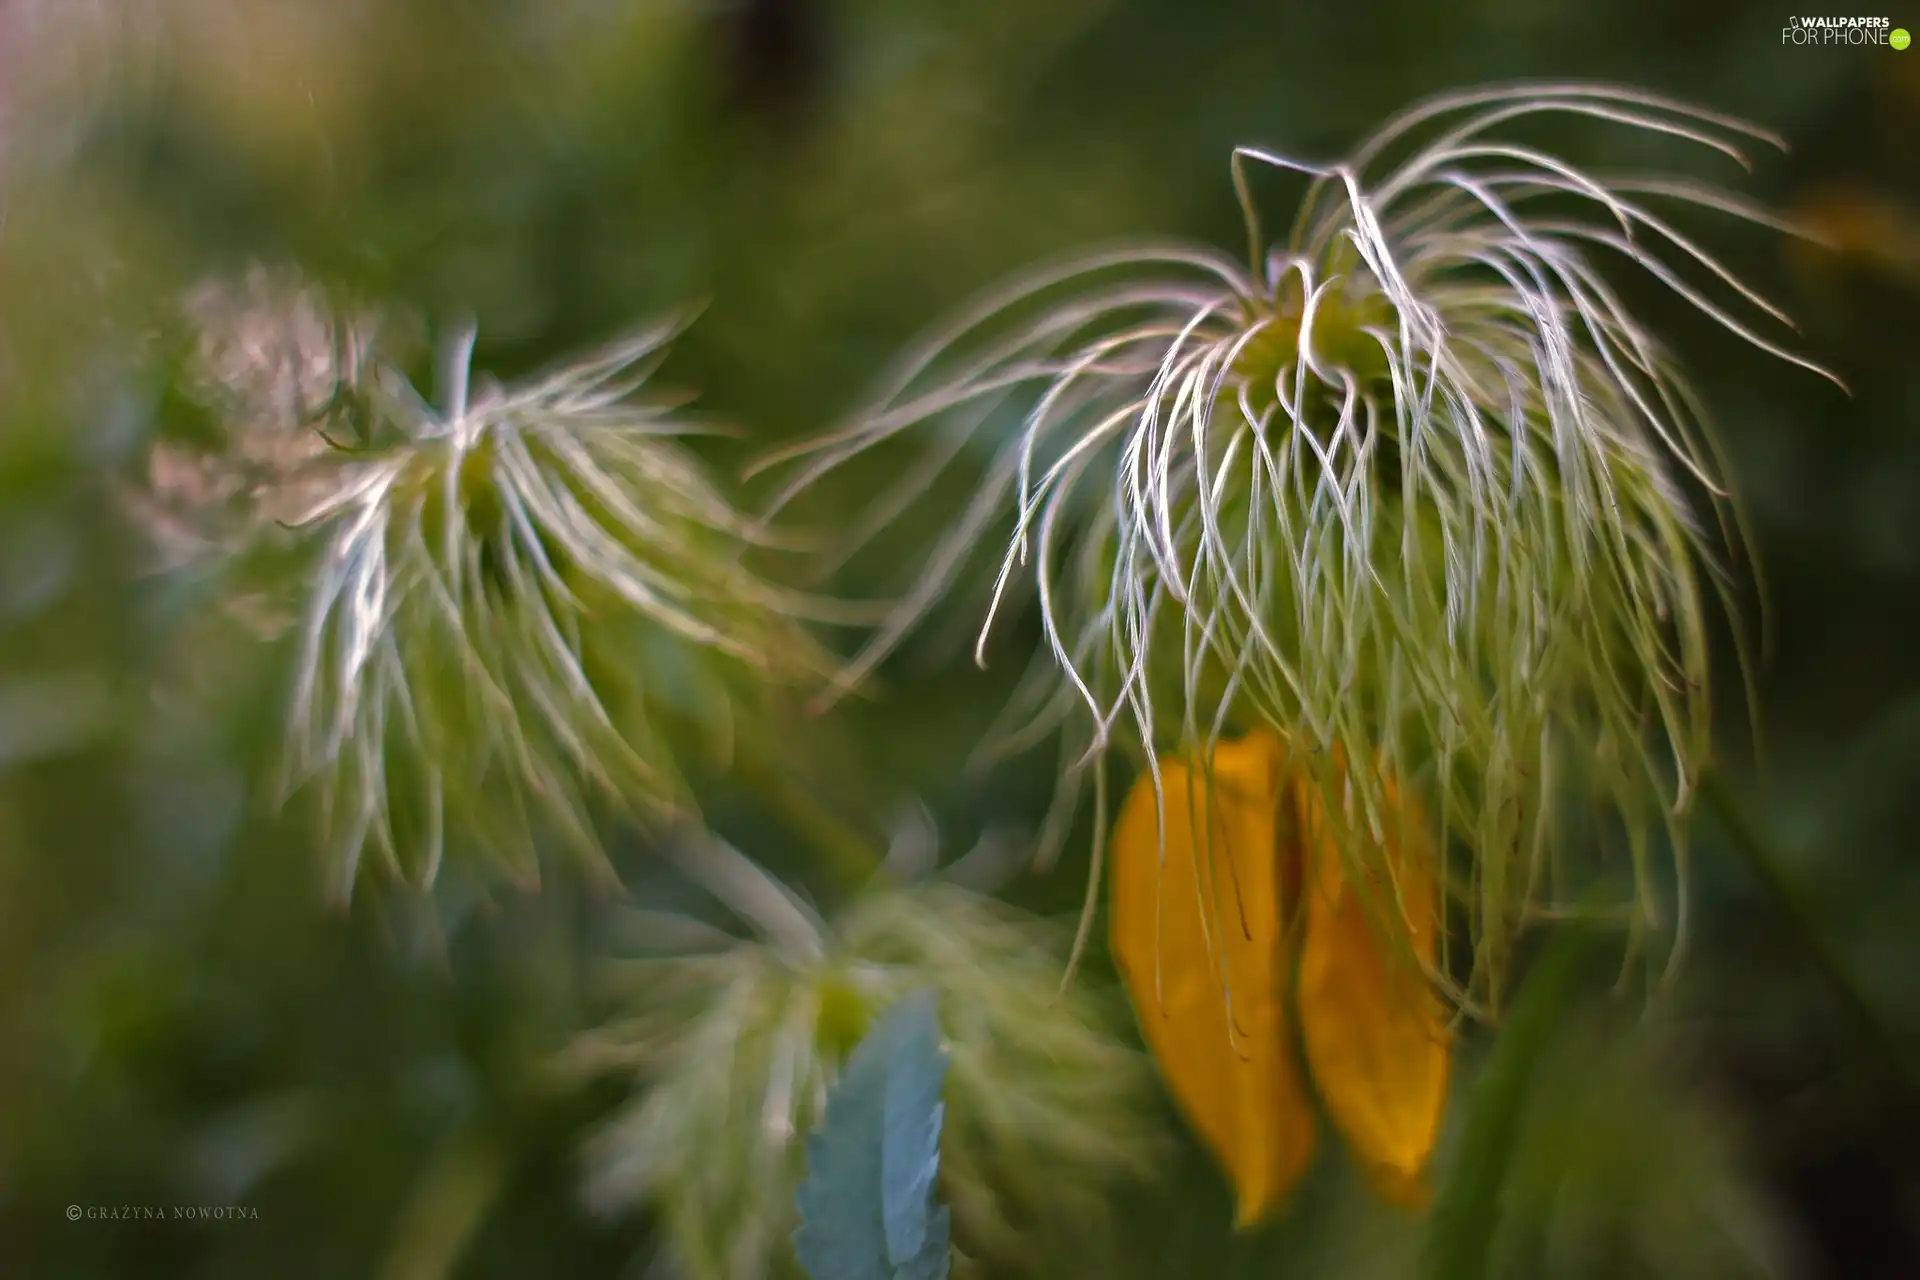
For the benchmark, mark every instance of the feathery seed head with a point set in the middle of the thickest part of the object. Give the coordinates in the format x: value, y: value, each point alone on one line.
x: 1416, y: 481
x: 523, y: 609
x: 735, y: 1044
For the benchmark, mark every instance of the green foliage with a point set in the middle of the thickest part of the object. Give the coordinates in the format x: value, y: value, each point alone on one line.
x: 185, y: 183
x: 867, y: 1205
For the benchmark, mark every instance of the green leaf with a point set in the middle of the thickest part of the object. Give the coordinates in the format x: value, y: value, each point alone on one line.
x: 867, y: 1209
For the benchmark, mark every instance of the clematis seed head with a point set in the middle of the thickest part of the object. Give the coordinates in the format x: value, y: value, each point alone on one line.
x: 733, y: 1045
x: 526, y: 605
x: 1414, y: 488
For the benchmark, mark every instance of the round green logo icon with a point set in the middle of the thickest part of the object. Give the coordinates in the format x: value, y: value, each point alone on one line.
x: 1899, y: 38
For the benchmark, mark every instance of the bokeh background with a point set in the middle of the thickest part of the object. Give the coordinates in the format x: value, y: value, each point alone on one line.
x: 183, y: 1018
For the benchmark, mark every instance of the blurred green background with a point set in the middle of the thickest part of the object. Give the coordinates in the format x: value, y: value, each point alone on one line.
x: 182, y: 1020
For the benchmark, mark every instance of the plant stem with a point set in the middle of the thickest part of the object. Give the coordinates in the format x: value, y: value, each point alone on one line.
x: 1466, y: 1217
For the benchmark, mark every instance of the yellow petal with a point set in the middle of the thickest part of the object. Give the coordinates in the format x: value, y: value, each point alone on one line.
x: 1375, y: 1033
x: 1196, y: 935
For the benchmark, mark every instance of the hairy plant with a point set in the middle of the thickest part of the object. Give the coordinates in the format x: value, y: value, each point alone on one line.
x: 1416, y: 482
x: 525, y: 607
x: 733, y: 1045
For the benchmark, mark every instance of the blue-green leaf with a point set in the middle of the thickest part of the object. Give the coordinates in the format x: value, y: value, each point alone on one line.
x: 910, y: 1154
x: 866, y: 1206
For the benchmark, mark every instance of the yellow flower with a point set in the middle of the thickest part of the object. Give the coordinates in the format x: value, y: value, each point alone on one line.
x: 1227, y: 883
